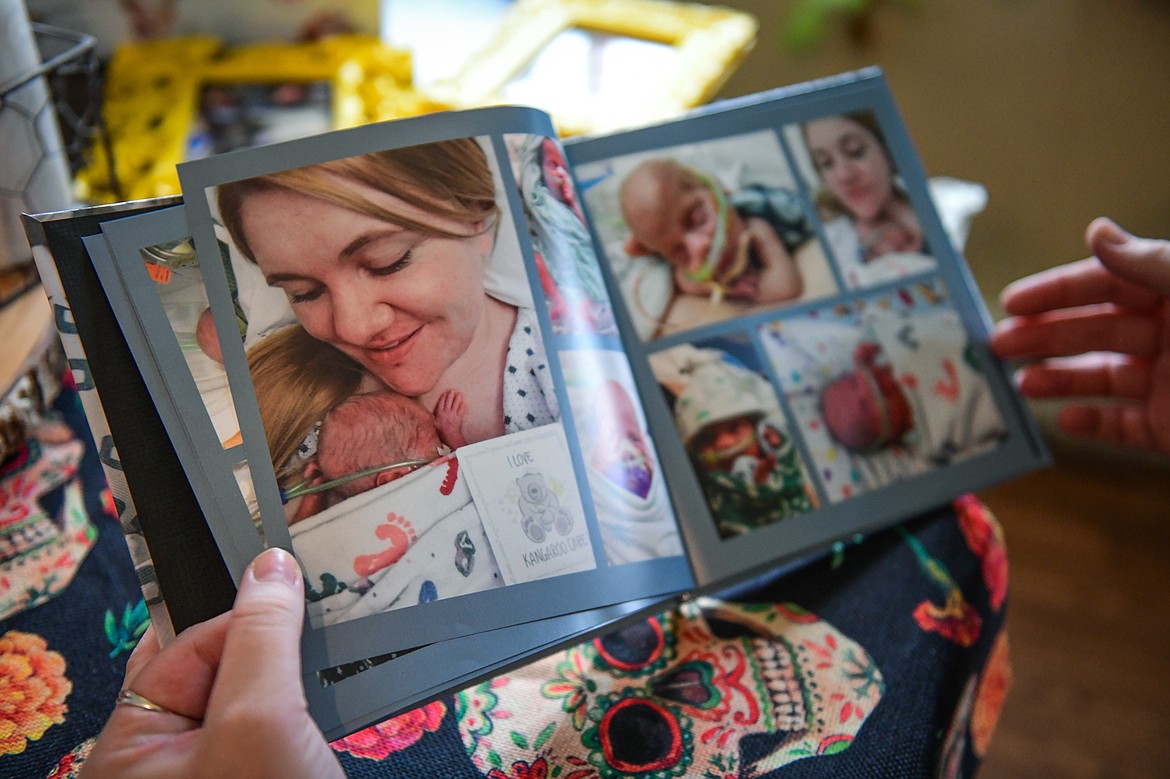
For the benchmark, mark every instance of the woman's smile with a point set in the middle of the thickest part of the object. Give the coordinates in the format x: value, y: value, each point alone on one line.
x: 393, y: 351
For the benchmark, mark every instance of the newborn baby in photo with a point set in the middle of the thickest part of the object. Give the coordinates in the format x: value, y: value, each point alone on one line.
x: 372, y: 430
x: 718, y: 248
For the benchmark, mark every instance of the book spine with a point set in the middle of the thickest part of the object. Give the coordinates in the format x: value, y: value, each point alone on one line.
x: 77, y: 364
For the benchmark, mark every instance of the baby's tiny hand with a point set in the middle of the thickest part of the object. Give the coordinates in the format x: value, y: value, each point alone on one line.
x: 451, y: 402
x: 450, y: 410
x: 746, y: 287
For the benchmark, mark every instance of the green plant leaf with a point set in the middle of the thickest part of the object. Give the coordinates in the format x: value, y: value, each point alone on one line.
x: 809, y: 20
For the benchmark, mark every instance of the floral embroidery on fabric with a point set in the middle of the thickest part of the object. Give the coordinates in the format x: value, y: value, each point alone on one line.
x: 39, y: 553
x: 33, y: 688
x: 955, y: 620
x: 984, y: 536
x: 475, y: 708
x: 676, y: 695
x: 379, y: 741
x: 572, y: 686
x: 989, y: 699
x: 123, y: 635
x: 538, y: 769
x: 69, y: 766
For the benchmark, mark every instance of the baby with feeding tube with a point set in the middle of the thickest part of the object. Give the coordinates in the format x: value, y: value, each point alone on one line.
x: 373, y: 438
x: 738, y: 247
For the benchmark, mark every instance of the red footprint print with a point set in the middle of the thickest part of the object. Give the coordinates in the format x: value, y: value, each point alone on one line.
x: 400, y: 533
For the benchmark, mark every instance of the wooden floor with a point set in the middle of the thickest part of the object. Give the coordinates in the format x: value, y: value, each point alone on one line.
x: 1089, y: 620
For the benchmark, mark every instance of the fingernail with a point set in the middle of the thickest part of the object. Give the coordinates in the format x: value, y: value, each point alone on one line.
x: 1111, y: 232
x: 276, y: 565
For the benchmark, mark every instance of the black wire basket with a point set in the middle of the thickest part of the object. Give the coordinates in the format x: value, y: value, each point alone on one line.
x: 73, y: 73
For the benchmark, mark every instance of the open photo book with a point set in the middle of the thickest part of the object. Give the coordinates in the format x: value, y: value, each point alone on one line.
x: 498, y: 392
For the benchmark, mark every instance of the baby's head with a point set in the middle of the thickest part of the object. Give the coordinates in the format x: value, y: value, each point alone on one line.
x: 866, y: 410
x: 621, y: 449
x: 370, y: 430
x: 717, y: 445
x: 891, y: 238
x: 681, y: 215
x: 554, y: 170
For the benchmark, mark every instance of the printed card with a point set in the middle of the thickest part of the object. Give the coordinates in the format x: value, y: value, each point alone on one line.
x: 527, y: 496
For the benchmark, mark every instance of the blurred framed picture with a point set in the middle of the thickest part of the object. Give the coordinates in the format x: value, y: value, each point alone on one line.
x: 178, y: 99
x: 573, y: 59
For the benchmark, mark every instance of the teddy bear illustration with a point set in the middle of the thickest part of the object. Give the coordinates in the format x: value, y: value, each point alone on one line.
x: 540, y: 511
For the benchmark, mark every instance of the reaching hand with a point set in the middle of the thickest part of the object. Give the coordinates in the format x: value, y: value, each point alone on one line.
x: 1099, y: 329
x: 225, y: 698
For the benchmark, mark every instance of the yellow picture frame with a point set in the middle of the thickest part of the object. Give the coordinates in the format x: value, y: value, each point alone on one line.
x: 153, y: 92
x: 708, y: 43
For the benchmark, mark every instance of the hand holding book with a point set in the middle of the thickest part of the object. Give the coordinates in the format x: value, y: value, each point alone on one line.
x: 224, y: 698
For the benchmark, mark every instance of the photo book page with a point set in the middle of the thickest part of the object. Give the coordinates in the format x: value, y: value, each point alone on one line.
x: 816, y: 348
x: 433, y: 400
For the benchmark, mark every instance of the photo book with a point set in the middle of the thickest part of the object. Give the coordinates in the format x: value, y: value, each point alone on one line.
x: 498, y: 391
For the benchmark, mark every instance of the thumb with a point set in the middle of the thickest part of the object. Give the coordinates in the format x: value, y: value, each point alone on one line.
x: 1143, y: 261
x: 261, y: 655
x: 257, y: 720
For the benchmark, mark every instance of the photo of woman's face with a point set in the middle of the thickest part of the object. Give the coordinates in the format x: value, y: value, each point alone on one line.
x: 852, y: 163
x: 401, y: 303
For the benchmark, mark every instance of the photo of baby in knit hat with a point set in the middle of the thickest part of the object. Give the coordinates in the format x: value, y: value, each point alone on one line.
x: 883, y: 389
x: 735, y: 434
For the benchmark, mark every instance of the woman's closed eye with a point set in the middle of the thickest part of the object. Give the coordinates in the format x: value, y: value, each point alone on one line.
x: 854, y: 148
x: 303, y: 296
x: 376, y: 268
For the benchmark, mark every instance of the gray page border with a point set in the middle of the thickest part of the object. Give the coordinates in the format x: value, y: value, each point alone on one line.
x: 151, y: 338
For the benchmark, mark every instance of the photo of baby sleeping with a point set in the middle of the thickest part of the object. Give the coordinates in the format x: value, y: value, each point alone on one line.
x: 389, y: 328
x: 705, y: 232
x: 734, y: 433
x: 873, y: 233
x: 884, y: 388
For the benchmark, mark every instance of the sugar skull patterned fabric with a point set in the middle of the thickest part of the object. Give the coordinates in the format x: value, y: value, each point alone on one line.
x: 675, y: 695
